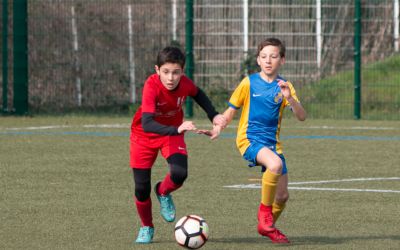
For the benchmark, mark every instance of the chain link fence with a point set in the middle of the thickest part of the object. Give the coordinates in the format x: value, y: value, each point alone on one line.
x: 96, y: 55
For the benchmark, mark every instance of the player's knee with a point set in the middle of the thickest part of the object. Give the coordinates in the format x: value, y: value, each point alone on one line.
x: 142, y: 190
x: 178, y: 168
x: 276, y: 166
x: 178, y: 174
x: 282, y: 197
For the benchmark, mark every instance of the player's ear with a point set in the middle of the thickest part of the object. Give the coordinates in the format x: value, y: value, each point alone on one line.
x: 283, y: 60
x: 258, y: 61
x: 157, y: 69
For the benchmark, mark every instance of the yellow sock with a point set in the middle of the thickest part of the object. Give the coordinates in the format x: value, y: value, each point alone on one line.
x: 268, y: 187
x: 277, y: 209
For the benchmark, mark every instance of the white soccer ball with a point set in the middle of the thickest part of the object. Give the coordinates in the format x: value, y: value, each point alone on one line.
x: 191, y: 231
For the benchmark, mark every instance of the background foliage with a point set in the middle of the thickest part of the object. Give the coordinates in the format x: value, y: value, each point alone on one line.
x: 102, y: 60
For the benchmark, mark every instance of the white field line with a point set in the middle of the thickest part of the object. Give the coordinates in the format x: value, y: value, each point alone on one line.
x: 117, y: 125
x: 346, y: 128
x: 39, y: 127
x: 345, y: 180
x: 323, y: 127
x: 336, y: 181
x: 127, y: 125
x: 258, y: 186
x: 346, y: 189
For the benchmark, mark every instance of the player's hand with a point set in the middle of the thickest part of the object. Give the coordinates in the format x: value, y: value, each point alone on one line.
x: 220, y: 120
x: 203, y: 132
x: 284, y: 88
x: 186, y: 126
x: 214, y: 133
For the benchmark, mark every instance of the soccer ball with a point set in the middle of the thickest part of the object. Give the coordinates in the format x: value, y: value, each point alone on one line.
x: 191, y: 231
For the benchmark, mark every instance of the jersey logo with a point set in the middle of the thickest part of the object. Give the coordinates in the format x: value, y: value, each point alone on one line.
x: 255, y: 95
x: 180, y: 101
x: 161, y: 103
x: 181, y: 148
x: 278, y: 97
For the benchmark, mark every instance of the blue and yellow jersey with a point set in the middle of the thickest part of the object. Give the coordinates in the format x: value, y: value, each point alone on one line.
x: 263, y: 105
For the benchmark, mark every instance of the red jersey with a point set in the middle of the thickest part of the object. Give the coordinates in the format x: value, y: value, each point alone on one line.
x: 166, y: 105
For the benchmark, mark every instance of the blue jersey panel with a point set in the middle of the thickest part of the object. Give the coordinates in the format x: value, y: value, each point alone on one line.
x: 264, y: 113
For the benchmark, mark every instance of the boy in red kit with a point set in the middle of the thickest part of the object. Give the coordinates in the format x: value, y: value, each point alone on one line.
x: 158, y: 126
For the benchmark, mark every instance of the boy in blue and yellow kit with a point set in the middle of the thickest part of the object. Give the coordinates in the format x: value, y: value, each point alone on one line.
x: 263, y: 97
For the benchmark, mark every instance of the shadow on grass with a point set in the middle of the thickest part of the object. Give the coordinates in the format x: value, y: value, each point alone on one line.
x: 305, y: 240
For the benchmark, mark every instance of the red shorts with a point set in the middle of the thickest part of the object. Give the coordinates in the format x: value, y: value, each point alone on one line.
x: 144, y: 150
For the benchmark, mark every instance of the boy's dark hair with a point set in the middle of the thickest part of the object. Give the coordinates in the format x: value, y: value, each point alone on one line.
x: 171, y: 54
x: 273, y: 42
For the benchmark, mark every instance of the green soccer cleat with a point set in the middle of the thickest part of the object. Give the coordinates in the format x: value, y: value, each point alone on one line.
x: 167, y: 207
x: 145, y: 235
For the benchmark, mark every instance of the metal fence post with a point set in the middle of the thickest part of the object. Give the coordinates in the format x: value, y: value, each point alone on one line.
x: 132, y: 80
x: 189, y: 68
x: 245, y: 28
x: 396, y: 24
x: 318, y: 31
x: 20, y: 55
x: 5, y: 55
x: 357, y: 59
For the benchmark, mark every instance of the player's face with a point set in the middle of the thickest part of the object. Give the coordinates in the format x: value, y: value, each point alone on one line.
x: 270, y: 61
x: 170, y: 74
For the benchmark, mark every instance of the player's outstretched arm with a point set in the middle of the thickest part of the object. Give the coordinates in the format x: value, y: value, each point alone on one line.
x: 217, y: 128
x: 219, y: 120
x: 297, y: 108
x: 186, y: 126
x: 229, y: 114
x: 213, y: 133
x: 205, y: 103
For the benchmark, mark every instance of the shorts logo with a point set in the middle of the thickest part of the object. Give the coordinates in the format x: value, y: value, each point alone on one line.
x: 255, y: 95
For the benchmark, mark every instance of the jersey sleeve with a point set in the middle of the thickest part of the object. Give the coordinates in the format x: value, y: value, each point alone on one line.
x: 151, y: 126
x: 149, y: 97
x: 205, y: 103
x: 239, y: 95
x: 293, y: 93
